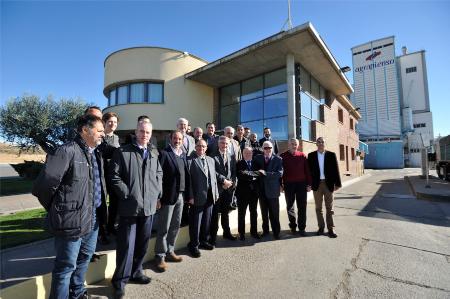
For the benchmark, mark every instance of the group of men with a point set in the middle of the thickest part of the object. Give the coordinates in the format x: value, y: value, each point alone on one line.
x: 204, y: 176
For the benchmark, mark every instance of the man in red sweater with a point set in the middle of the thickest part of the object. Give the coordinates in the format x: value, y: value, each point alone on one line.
x: 296, y: 184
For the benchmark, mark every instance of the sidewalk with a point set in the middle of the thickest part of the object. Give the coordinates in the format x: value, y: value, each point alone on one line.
x: 439, y: 189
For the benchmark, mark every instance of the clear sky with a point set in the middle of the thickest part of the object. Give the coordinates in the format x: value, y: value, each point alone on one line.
x: 58, y: 47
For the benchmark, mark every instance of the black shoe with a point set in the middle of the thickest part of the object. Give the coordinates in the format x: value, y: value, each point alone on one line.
x: 264, y: 233
x: 143, y: 279
x: 301, y: 232
x: 276, y: 236
x: 119, y: 293
x: 256, y: 236
x: 206, y: 246
x: 195, y: 252
x: 293, y: 231
x: 95, y: 257
x: 320, y: 232
x: 332, y: 234
x: 242, y: 237
x: 229, y: 236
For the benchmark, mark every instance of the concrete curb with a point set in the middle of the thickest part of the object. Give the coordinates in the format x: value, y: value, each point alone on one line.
x: 426, y: 196
x: 39, y: 286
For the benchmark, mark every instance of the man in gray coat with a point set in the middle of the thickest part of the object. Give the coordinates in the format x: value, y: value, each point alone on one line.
x: 136, y: 178
x: 205, y: 194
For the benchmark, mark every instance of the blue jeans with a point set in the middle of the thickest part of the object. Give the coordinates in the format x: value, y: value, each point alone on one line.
x: 71, y: 263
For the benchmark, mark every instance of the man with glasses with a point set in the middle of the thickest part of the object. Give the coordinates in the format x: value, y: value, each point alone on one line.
x: 326, y: 179
x: 271, y: 168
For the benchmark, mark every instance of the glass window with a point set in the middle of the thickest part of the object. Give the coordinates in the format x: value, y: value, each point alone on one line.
x: 112, y: 97
x: 252, y: 88
x: 122, y: 95
x: 230, y: 94
x: 252, y: 110
x: 306, y: 128
x: 275, y: 105
x: 315, y: 110
x: 315, y: 89
x: 137, y: 93
x: 275, y: 82
x: 305, y: 105
x: 255, y: 127
x: 155, y: 92
x: 229, y: 115
x: 278, y: 126
x: 322, y: 95
x: 305, y: 80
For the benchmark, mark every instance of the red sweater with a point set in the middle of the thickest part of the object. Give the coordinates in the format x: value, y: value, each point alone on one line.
x: 295, y: 167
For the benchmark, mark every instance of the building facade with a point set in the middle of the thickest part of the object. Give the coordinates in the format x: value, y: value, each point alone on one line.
x: 289, y: 82
x: 392, y: 95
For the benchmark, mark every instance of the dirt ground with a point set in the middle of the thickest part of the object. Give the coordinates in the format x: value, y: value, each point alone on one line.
x: 10, y: 154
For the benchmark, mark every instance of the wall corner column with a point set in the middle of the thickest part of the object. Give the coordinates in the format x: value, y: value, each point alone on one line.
x: 290, y: 80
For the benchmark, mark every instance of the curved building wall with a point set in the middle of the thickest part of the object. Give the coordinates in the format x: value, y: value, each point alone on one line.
x: 181, y: 98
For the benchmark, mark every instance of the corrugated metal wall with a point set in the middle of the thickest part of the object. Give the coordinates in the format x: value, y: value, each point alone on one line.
x: 385, y: 155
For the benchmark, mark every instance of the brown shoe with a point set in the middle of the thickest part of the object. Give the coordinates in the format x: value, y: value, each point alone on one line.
x: 161, y: 264
x: 172, y: 257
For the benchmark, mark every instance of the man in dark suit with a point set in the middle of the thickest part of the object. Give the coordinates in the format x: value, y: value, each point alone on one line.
x: 188, y: 142
x: 136, y: 178
x: 254, y: 144
x: 268, y: 137
x: 271, y: 168
x: 240, y: 138
x: 326, y: 179
x: 204, y: 195
x: 225, y: 165
x: 211, y: 139
x: 247, y: 193
x: 176, y: 189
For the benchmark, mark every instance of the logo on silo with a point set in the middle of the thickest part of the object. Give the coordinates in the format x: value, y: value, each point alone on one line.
x: 373, y: 55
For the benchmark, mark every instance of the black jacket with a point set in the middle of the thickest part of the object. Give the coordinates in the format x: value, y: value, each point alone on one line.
x: 331, y: 170
x: 137, y: 188
x: 171, y: 176
x: 65, y: 188
x: 247, y: 178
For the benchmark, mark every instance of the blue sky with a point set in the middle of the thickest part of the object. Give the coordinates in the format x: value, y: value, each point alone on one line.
x: 58, y: 47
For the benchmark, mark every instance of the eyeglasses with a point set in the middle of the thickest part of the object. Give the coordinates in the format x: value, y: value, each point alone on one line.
x: 320, y: 142
x: 267, y: 148
x: 201, y: 145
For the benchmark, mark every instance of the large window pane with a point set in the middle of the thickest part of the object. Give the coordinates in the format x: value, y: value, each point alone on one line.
x: 315, y: 110
x: 252, y: 110
x: 322, y: 95
x: 230, y: 94
x: 278, y: 127
x: 315, y: 89
x: 112, y: 97
x: 305, y: 105
x: 229, y: 116
x: 252, y: 88
x: 137, y: 91
x: 155, y: 93
x: 122, y: 95
x: 306, y: 129
x: 305, y: 80
x: 275, y: 82
x: 255, y: 127
x: 275, y: 105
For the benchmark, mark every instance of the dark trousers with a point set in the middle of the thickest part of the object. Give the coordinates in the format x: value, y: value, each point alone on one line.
x: 296, y: 192
x: 249, y: 200
x: 270, y: 210
x: 200, y: 223
x: 220, y: 207
x: 133, y: 235
x: 112, y: 212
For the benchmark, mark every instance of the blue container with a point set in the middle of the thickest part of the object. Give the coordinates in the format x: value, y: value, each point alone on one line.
x: 385, y: 155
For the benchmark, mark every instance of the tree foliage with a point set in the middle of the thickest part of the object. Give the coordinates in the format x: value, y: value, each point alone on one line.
x: 29, y: 121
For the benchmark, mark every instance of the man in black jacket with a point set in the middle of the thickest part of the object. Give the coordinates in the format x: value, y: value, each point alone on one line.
x: 176, y: 190
x: 136, y: 178
x: 70, y: 187
x: 326, y: 179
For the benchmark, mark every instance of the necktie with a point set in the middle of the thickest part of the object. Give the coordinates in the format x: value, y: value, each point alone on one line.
x: 267, y: 159
x: 204, y: 164
x: 144, y: 153
x: 185, y: 142
x: 249, y: 165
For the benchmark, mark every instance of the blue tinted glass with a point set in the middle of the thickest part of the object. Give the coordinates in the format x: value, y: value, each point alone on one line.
x: 229, y: 115
x: 155, y: 93
x: 112, y: 97
x: 137, y: 93
x: 306, y: 129
x: 315, y: 108
x: 251, y: 110
x: 252, y: 88
x: 275, y: 82
x: 275, y: 105
x: 306, y: 105
x: 255, y: 127
x: 122, y: 95
x: 278, y: 126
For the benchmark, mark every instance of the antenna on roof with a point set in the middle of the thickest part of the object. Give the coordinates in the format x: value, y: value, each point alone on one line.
x: 288, y: 22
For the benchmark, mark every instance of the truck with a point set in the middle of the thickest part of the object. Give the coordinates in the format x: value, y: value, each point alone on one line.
x: 442, y: 148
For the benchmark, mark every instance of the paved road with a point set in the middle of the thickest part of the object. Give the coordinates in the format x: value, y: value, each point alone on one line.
x: 6, y: 170
x: 390, y: 245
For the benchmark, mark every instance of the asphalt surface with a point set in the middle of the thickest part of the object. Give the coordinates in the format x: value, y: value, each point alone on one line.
x: 389, y: 245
